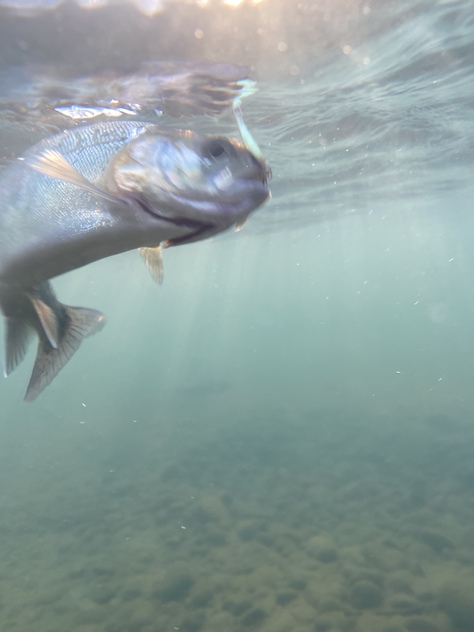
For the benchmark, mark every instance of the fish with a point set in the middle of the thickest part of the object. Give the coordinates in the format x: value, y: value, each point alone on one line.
x: 98, y: 190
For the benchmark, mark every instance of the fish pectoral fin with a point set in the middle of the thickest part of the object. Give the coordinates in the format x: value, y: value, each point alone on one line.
x: 153, y: 258
x: 81, y: 323
x: 53, y: 164
x: 239, y: 225
x: 17, y: 336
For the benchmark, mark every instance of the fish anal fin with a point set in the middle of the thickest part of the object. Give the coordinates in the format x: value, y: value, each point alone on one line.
x: 81, y: 323
x: 53, y: 164
x: 153, y: 258
x: 17, y: 337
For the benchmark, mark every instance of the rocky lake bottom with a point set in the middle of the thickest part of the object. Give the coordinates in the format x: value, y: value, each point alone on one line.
x: 277, y: 521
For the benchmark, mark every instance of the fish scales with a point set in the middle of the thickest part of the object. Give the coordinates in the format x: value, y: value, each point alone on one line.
x: 66, y: 210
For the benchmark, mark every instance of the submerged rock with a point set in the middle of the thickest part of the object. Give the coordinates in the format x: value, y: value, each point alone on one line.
x: 175, y: 586
x: 435, y: 540
x: 419, y: 624
x: 456, y: 599
x: 327, y: 555
x: 406, y: 605
x: 400, y: 584
x: 365, y: 594
x: 285, y: 597
x: 254, y: 617
x: 322, y: 548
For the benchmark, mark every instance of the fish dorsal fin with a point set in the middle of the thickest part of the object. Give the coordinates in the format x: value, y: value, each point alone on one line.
x: 53, y: 164
x: 153, y: 258
x: 17, y: 337
x: 48, y: 320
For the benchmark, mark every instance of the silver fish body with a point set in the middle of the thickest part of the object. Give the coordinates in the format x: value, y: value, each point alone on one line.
x: 99, y: 190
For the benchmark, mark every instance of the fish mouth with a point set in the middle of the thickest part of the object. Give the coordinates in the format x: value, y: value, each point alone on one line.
x: 220, y: 216
x: 250, y: 195
x: 198, y: 230
x: 182, y: 222
x: 247, y: 193
x: 212, y: 215
x: 253, y: 183
x: 259, y: 171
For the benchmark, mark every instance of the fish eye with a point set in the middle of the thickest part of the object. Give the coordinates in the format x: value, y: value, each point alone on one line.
x: 217, y: 148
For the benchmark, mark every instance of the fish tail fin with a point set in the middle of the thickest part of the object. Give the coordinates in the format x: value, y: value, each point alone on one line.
x: 17, y: 337
x: 80, y: 323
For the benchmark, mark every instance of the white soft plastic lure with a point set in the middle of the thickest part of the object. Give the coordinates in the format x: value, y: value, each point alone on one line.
x: 248, y: 87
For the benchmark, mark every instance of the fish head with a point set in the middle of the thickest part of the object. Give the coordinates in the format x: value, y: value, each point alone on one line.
x: 207, y: 182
